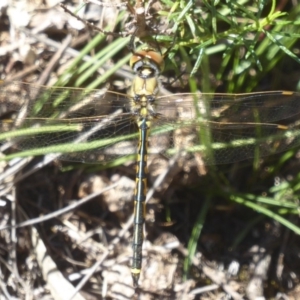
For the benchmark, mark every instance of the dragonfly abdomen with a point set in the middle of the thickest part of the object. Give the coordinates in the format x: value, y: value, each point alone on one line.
x: 140, y: 198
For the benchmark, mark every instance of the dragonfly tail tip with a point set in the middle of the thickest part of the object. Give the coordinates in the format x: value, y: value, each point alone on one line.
x: 135, y: 279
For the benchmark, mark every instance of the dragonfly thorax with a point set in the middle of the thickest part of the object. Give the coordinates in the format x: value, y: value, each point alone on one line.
x: 143, y: 106
x: 143, y: 93
x: 143, y: 87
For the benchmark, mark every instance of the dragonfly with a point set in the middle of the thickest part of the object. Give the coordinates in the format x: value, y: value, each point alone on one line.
x: 100, y: 126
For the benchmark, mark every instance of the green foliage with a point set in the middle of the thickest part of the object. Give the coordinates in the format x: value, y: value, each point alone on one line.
x: 251, y: 36
x: 237, y: 46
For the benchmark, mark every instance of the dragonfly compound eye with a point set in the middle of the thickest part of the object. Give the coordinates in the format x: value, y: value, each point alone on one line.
x: 147, y: 59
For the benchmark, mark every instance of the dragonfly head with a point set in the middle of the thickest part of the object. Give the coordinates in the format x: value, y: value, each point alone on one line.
x: 147, y: 59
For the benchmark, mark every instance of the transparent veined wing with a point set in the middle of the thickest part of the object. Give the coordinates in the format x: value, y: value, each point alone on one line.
x: 85, y: 125
x: 226, y: 128
x: 99, y: 126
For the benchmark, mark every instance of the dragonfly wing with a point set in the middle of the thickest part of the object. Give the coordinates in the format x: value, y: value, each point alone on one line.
x: 265, y: 107
x: 95, y: 123
x: 227, y: 128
